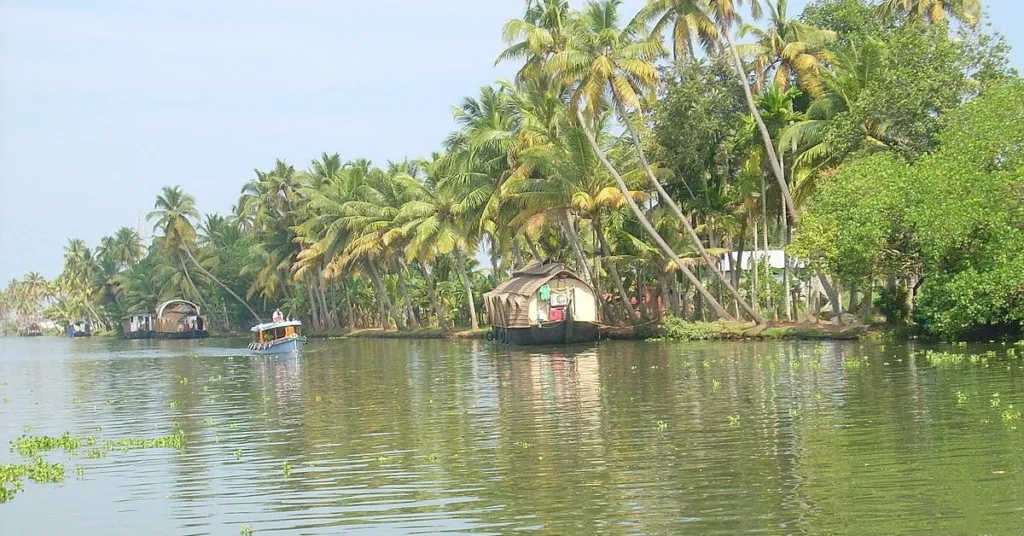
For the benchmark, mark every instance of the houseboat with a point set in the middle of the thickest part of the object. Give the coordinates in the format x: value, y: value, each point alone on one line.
x: 277, y: 338
x: 180, y: 319
x: 80, y: 328
x: 543, y: 304
x: 139, y: 326
x: 31, y: 329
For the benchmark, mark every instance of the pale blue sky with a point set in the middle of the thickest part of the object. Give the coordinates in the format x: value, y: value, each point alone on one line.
x: 104, y: 102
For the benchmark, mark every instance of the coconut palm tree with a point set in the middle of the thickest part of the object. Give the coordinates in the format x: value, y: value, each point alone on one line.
x: 535, y: 37
x: 787, y: 50
x: 725, y: 14
x: 173, y: 213
x: 967, y: 12
x: 605, y: 62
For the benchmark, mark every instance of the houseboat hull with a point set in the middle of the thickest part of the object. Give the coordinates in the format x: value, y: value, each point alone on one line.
x: 180, y: 335
x: 133, y: 335
x: 281, y: 347
x: 548, y: 334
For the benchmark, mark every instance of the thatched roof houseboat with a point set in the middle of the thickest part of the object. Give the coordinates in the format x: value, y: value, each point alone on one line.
x: 544, y: 303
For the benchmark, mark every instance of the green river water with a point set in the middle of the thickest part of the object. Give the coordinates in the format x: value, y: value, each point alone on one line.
x: 438, y: 437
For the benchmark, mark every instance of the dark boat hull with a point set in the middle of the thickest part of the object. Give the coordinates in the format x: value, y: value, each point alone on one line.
x: 140, y: 335
x: 182, y: 335
x: 551, y: 334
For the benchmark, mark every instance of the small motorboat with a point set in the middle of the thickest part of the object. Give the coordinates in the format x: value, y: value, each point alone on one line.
x: 275, y: 338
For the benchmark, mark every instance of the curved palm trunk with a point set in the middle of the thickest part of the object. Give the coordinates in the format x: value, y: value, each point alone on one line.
x: 712, y: 264
x: 410, y: 314
x: 533, y: 248
x: 329, y: 318
x: 464, y: 274
x: 769, y: 145
x: 577, y: 247
x: 314, y: 308
x: 665, y: 248
x: 385, y: 301
x: 221, y: 284
x: 349, y: 305
x: 613, y: 270
x: 442, y: 322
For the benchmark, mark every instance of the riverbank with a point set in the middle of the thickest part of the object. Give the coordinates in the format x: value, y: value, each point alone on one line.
x: 671, y: 330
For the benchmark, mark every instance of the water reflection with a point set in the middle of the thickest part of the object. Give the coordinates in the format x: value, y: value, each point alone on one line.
x: 389, y: 436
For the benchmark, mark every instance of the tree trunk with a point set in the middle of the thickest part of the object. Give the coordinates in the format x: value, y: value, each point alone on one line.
x: 674, y: 209
x: 769, y: 145
x: 314, y: 308
x: 442, y: 322
x: 865, y: 303
x: 613, y: 270
x: 222, y: 285
x: 464, y: 274
x: 387, y: 309
x: 410, y: 314
x: 349, y: 305
x: 577, y: 248
x: 533, y: 248
x: 833, y: 295
x: 331, y: 321
x: 665, y: 248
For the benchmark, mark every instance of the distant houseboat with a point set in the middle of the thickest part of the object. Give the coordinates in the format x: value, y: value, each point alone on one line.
x: 79, y: 328
x: 139, y: 326
x: 544, y: 303
x: 31, y: 329
x: 180, y: 319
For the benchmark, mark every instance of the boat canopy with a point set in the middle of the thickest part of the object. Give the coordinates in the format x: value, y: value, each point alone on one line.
x: 274, y: 325
x: 188, y: 307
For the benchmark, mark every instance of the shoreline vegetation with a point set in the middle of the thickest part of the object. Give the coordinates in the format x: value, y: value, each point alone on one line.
x: 711, y: 172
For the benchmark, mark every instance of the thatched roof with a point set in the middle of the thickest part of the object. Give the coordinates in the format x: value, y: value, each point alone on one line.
x: 528, y: 280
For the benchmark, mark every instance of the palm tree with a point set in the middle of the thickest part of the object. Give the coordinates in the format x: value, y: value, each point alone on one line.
x: 688, y: 20
x: 790, y: 49
x: 535, y: 37
x: 935, y: 11
x: 572, y: 177
x: 604, y: 60
x: 725, y: 15
x: 173, y: 213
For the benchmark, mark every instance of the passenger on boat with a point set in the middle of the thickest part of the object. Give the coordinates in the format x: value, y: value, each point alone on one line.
x: 278, y: 316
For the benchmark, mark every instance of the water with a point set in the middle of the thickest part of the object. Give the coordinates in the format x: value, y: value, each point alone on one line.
x: 400, y: 437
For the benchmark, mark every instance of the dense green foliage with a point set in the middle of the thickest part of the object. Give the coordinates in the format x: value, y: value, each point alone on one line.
x: 954, y: 220
x: 869, y: 141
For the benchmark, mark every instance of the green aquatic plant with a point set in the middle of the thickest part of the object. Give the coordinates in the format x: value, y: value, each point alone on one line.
x: 994, y: 400
x: 173, y: 404
x: 523, y: 444
x: 734, y: 420
x: 33, y: 445
x: 961, y: 398
x: 173, y: 441
x: 40, y: 471
x: 79, y: 471
x: 944, y: 358
x: 382, y: 458
x: 715, y: 384
x: 855, y: 363
x: 238, y: 454
x: 286, y: 468
x: 246, y: 530
x: 662, y: 425
x: 319, y: 398
x: 210, y: 421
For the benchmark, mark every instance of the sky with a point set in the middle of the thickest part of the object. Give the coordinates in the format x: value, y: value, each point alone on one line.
x: 103, y: 102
